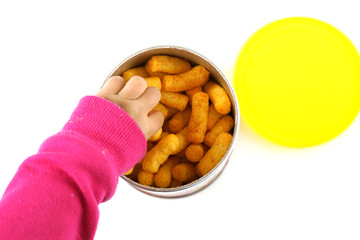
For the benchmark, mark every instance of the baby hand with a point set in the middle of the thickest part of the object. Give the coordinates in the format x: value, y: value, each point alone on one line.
x: 137, y: 100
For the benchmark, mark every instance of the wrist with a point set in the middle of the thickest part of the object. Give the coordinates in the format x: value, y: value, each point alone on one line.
x: 115, y: 132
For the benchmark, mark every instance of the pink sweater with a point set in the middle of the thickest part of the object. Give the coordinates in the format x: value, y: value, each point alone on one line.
x: 55, y: 193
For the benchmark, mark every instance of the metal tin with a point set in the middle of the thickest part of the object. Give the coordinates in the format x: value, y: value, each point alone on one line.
x: 194, y: 58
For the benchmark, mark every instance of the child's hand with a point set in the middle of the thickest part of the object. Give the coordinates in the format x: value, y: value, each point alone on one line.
x: 137, y: 100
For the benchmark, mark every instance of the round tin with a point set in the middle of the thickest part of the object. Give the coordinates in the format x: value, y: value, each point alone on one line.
x: 194, y: 58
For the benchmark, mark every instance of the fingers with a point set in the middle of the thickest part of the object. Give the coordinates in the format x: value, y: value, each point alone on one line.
x: 156, y: 120
x: 134, y: 88
x: 149, y: 98
x: 112, y: 86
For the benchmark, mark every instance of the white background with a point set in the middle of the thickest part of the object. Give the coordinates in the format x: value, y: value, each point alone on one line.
x: 53, y: 53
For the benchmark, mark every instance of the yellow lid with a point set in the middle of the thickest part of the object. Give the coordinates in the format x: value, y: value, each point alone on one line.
x: 298, y: 82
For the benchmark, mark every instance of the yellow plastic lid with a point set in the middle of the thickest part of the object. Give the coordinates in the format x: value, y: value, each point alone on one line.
x: 298, y: 82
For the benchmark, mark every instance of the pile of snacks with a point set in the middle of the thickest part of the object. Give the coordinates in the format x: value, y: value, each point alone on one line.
x: 198, y: 122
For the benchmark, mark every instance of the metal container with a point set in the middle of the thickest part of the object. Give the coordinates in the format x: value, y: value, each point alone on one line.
x: 194, y: 58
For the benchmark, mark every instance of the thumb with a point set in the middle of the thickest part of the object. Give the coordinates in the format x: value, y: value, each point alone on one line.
x: 156, y: 120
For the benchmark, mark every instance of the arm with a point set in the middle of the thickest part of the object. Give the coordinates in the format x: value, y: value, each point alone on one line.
x: 55, y: 193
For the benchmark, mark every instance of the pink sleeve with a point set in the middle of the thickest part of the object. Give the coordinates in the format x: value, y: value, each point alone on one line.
x: 55, y: 193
